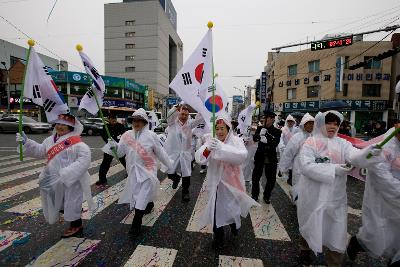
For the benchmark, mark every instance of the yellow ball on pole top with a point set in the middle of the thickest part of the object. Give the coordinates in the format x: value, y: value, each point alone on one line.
x: 79, y: 47
x: 210, y: 24
x: 31, y: 42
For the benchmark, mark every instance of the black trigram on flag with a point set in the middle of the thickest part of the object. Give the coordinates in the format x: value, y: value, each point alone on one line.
x: 90, y: 93
x: 186, y: 78
x: 46, y: 70
x: 36, y: 91
x: 95, y: 73
x: 243, y: 118
x: 48, y: 105
x: 204, y: 52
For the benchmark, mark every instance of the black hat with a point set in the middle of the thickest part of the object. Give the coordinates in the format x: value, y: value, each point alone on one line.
x: 269, y: 114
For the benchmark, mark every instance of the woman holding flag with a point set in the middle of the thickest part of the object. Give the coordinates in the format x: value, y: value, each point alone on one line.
x: 64, y: 180
x: 227, y: 198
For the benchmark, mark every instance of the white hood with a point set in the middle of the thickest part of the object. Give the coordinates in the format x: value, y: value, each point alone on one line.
x: 306, y: 118
x: 319, y: 123
x: 140, y: 113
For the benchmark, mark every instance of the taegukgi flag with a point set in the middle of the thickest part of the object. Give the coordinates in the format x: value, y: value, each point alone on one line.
x: 97, y: 89
x: 41, y: 89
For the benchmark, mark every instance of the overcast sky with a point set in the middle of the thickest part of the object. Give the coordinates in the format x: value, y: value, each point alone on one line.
x: 244, y: 30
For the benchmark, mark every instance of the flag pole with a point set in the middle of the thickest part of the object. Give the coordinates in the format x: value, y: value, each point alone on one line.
x: 80, y: 48
x: 210, y: 25
x: 387, y: 139
x: 31, y: 43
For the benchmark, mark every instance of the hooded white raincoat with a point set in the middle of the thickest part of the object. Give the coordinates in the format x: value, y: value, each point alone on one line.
x: 322, y: 203
x: 290, y: 159
x: 380, y: 231
x: 179, y: 142
x: 287, y: 133
x: 142, y: 150
x: 225, y: 183
x: 64, y: 180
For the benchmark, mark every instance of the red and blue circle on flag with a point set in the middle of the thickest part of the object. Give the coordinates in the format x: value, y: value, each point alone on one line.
x: 219, y: 103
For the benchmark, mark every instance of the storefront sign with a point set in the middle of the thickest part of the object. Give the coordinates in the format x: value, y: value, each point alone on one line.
x: 376, y: 105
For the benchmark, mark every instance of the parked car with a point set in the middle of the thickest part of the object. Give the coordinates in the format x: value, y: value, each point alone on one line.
x: 10, y: 123
x: 92, y: 126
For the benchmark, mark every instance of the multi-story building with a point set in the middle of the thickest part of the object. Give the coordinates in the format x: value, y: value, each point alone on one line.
x: 142, y: 44
x: 301, y: 81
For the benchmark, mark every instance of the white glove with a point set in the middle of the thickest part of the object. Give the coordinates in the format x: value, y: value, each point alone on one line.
x: 215, y: 144
x: 374, y: 151
x: 343, y: 169
x: 21, y: 138
x: 112, y: 143
x: 263, y: 131
x: 119, y: 136
x: 263, y: 139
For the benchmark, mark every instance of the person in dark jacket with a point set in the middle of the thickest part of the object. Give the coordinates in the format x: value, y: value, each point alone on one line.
x: 268, y: 138
x: 116, y: 130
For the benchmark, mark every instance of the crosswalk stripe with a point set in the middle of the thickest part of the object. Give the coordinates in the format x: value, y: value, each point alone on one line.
x: 7, y: 238
x: 286, y: 188
x: 152, y: 256
x: 9, y: 157
x: 66, y: 252
x: 193, y: 225
x: 16, y: 176
x: 103, y: 200
x: 230, y: 261
x: 22, y: 188
x: 21, y: 166
x: 36, y: 205
x: 163, y: 198
x: 9, y: 162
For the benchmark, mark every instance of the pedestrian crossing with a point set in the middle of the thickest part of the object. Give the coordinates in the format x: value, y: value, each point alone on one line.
x: 265, y: 221
x: 9, y: 162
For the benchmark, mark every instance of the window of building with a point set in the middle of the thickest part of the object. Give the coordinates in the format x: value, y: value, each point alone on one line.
x: 129, y: 34
x: 371, y: 90
x: 129, y: 46
x: 129, y: 58
x: 292, y: 70
x: 371, y: 63
x: 291, y: 93
x: 128, y: 94
x: 346, y: 62
x: 312, y: 91
x: 313, y: 66
x: 345, y: 89
x: 129, y: 22
x: 130, y: 69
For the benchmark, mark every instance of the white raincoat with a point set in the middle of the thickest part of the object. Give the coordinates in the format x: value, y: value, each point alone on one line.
x: 142, y: 150
x: 225, y: 184
x: 179, y: 142
x: 322, y: 203
x: 380, y: 230
x: 248, y: 165
x: 64, y: 180
x: 290, y: 159
x: 287, y: 133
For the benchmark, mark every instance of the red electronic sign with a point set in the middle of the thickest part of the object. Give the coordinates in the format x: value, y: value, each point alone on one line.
x: 326, y: 44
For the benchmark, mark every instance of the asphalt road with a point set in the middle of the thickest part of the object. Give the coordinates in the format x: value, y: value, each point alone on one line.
x: 268, y: 237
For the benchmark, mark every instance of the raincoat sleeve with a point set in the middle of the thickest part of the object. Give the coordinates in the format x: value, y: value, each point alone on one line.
x: 34, y: 149
x: 384, y: 182
x: 320, y: 172
x: 197, y: 120
x: 359, y: 158
x: 235, y: 153
x: 200, y: 157
x: 171, y: 116
x: 75, y: 171
x: 160, y: 152
x: 288, y: 155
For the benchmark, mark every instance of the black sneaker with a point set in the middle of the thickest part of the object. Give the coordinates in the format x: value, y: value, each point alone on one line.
x: 266, y: 200
x: 353, y: 248
x: 73, y: 232
x: 255, y: 198
x: 101, y: 182
x: 185, y: 197
x: 149, y: 208
x: 305, y: 257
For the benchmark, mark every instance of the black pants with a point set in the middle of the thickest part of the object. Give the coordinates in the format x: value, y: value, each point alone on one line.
x: 76, y: 223
x: 185, y: 181
x: 105, y: 166
x: 219, y: 231
x: 270, y: 174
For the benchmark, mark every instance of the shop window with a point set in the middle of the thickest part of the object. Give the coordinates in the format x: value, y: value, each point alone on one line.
x: 130, y: 69
x: 129, y: 58
x: 345, y: 89
x: 371, y: 90
x: 292, y: 70
x: 129, y: 22
x: 313, y: 66
x: 129, y: 46
x: 312, y: 91
x: 129, y: 34
x: 371, y: 63
x: 291, y: 93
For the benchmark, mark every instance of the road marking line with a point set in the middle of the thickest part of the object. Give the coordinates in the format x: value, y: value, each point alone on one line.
x: 9, y: 157
x: 21, y: 166
x: 201, y: 203
x: 163, y: 198
x: 8, y: 237
x: 225, y: 261
x: 66, y: 252
x: 151, y: 256
x: 9, y: 162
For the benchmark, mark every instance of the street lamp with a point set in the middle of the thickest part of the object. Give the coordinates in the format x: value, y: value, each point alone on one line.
x: 8, y: 86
